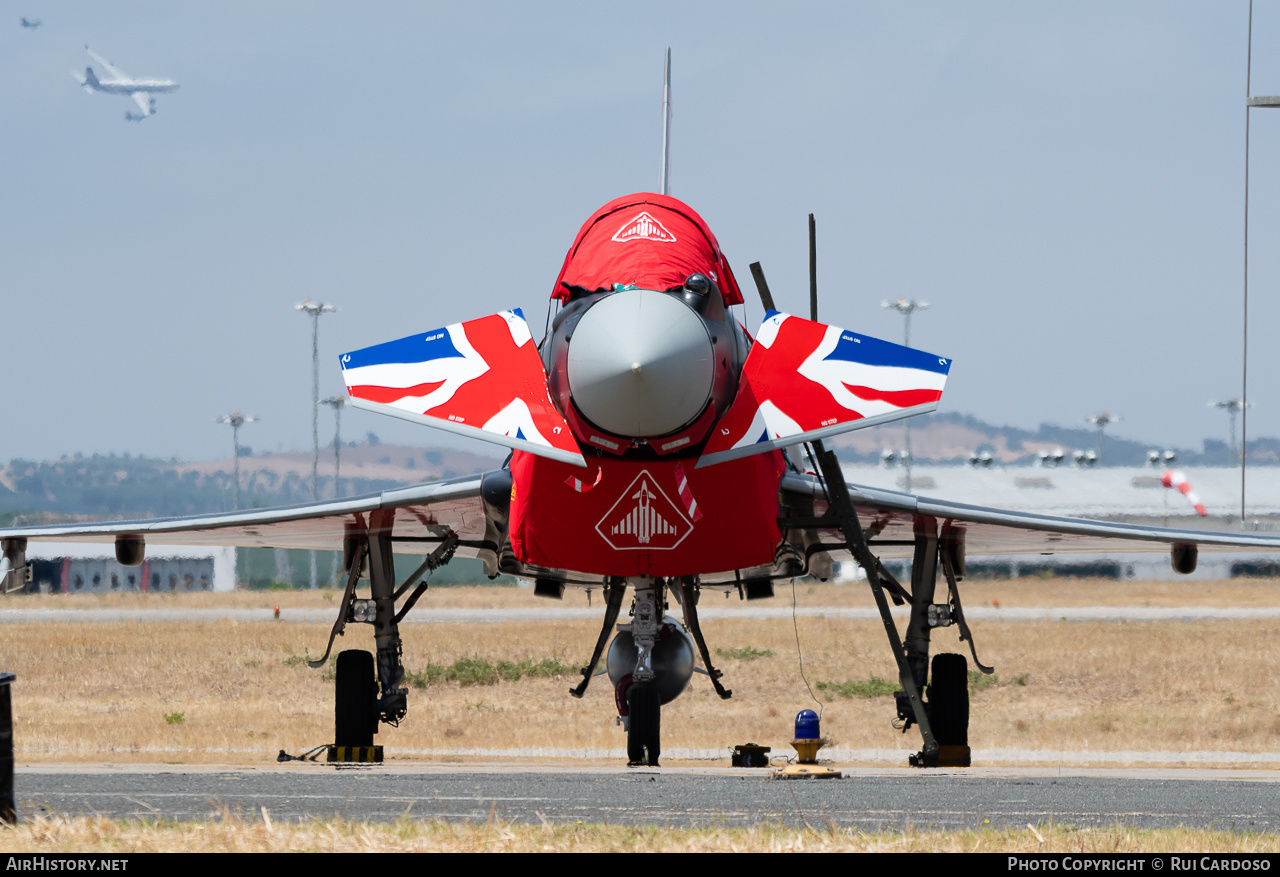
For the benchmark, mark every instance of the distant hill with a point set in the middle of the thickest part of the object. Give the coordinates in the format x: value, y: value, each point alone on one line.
x: 952, y: 438
x: 111, y: 486
x: 124, y: 486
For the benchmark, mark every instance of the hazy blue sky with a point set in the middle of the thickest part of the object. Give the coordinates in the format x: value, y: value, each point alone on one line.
x: 1062, y: 181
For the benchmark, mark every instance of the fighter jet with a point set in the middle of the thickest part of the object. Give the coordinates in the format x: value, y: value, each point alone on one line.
x: 141, y: 90
x: 657, y: 449
x: 32, y: 24
x: 648, y: 433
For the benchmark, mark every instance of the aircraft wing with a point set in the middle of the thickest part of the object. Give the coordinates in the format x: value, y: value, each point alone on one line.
x: 419, y: 516
x: 888, y: 518
x: 422, y: 516
x: 116, y: 72
x: 143, y: 100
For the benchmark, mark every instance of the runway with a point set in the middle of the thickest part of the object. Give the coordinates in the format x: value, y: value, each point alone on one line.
x: 682, y: 797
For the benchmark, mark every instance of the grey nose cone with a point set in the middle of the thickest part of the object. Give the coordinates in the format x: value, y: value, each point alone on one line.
x: 641, y: 364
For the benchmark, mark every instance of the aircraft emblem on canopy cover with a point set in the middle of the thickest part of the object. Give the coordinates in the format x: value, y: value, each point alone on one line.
x: 643, y: 227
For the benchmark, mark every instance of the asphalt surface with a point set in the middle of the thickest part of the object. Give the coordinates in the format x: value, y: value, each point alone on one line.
x: 1241, y: 800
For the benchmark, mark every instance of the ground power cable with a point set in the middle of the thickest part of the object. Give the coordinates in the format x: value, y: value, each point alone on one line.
x: 795, y: 624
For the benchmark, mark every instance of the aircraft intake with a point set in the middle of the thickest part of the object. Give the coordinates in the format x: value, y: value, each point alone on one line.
x: 641, y: 364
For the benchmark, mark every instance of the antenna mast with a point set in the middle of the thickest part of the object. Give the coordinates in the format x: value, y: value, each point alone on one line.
x: 665, y: 170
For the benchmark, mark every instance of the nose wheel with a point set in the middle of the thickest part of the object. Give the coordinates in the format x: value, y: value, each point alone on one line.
x: 644, y: 730
x: 644, y: 699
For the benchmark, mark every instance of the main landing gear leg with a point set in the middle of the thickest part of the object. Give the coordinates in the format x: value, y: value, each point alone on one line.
x: 357, y: 706
x: 393, y: 704
x: 924, y: 580
x: 355, y: 688
x: 841, y: 506
x: 948, y: 692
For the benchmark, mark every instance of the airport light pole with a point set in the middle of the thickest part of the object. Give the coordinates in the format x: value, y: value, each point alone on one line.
x: 336, y: 403
x: 1251, y: 102
x: 237, y: 420
x: 906, y: 307
x: 1101, y: 421
x: 315, y: 310
x: 1233, y: 407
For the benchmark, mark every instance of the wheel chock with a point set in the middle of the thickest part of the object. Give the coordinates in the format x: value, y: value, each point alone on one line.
x: 806, y: 772
x: 354, y: 755
x: 948, y: 756
x: 750, y: 755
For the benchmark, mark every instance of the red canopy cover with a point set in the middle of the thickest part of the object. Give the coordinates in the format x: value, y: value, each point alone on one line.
x: 645, y: 240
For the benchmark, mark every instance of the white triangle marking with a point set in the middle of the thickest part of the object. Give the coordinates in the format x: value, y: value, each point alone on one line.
x: 644, y: 227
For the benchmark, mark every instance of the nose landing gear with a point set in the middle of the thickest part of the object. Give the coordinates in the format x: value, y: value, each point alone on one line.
x: 644, y: 731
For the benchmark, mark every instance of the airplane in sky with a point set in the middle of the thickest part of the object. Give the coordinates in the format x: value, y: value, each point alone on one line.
x: 657, y: 449
x: 32, y: 24
x: 142, y: 91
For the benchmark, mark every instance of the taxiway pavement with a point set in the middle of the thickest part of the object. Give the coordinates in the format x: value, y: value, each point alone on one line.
x: 865, y: 798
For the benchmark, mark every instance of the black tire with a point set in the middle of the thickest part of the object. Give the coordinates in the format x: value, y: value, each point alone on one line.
x: 644, y: 730
x: 949, y: 700
x: 356, y: 700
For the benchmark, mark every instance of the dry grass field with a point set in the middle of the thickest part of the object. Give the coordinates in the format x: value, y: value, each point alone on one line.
x: 233, y: 834
x: 222, y: 692
x: 975, y: 592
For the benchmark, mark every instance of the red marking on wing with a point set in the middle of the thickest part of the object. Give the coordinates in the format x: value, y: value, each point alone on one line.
x: 514, y: 373
x: 901, y: 398
x: 773, y: 375
x: 387, y: 395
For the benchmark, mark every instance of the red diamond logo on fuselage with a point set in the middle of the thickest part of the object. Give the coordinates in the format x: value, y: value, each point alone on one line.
x: 644, y: 518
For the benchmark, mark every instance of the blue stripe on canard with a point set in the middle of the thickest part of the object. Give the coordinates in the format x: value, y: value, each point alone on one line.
x: 866, y: 350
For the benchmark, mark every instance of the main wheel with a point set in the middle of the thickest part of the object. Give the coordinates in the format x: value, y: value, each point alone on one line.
x: 356, y: 700
x: 949, y: 700
x: 644, y: 730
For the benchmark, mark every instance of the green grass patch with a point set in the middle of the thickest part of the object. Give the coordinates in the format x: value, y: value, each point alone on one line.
x: 746, y: 653
x: 174, y: 718
x: 877, y: 687
x: 873, y: 687
x: 980, y: 681
x: 474, y: 670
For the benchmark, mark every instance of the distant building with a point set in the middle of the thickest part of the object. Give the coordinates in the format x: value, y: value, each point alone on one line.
x: 1112, y: 493
x: 1103, y: 493
x: 82, y: 567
